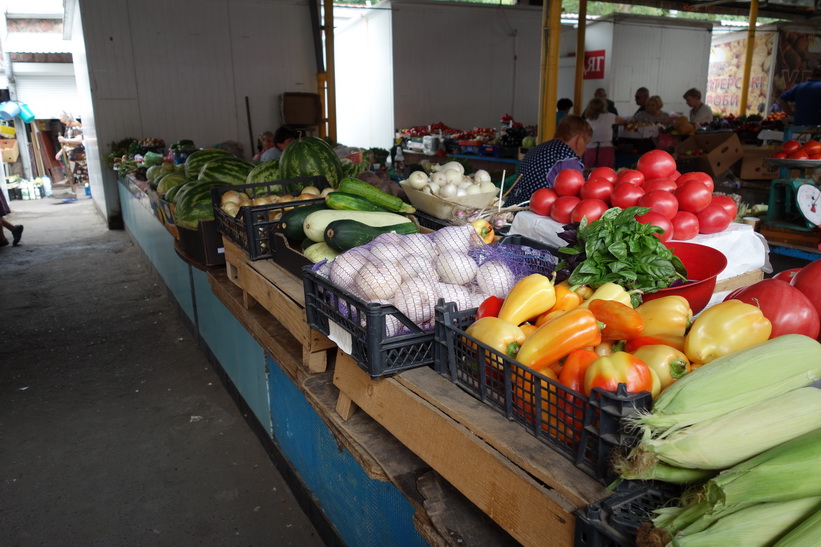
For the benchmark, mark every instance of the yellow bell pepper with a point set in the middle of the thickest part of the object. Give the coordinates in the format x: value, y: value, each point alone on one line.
x: 566, y: 300
x: 499, y: 335
x: 609, y: 291
x: 528, y: 329
x: 666, y: 315
x: 530, y: 297
x: 668, y: 363
x: 583, y: 291
x: 725, y: 328
x: 554, y: 340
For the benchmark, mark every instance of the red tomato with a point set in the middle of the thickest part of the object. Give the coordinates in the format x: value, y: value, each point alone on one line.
x: 790, y: 146
x: 693, y: 196
x: 626, y: 195
x: 787, y: 308
x: 630, y: 175
x: 490, y: 307
x: 808, y: 281
x: 798, y: 155
x: 656, y: 164
x: 657, y: 219
x: 591, y: 208
x: 779, y: 156
x: 727, y: 203
x: 542, y: 200
x: 568, y: 182
x: 660, y: 201
x: 786, y: 275
x: 660, y: 184
x: 685, y: 225
x: 714, y: 218
x: 560, y: 212
x: 815, y: 156
x: 607, y: 173
x: 699, y: 176
x: 812, y: 147
x: 596, y: 188
x: 675, y: 175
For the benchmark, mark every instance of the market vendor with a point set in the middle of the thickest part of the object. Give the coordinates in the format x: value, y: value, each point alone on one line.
x: 652, y: 112
x: 807, y: 100
x: 700, y: 113
x: 542, y: 163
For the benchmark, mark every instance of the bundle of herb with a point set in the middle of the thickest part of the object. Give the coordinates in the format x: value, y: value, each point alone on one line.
x: 617, y: 248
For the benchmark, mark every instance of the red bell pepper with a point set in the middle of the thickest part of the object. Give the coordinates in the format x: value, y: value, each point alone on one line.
x: 608, y: 371
x: 489, y: 307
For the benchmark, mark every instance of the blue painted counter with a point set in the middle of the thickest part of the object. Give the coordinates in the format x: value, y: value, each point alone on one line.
x: 360, y: 509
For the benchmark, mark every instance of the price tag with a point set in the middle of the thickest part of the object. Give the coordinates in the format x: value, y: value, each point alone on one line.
x: 340, y: 337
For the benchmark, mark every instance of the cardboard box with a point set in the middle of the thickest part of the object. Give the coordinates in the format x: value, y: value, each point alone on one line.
x: 754, y: 165
x: 203, y: 245
x: 711, y: 153
x: 10, y: 150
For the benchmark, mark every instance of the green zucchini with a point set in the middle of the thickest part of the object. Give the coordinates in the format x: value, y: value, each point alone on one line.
x: 360, y: 188
x: 291, y: 222
x: 341, y: 235
x: 315, y: 223
x: 351, y: 202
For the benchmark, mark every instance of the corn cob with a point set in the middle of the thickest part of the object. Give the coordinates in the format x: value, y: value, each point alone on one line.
x: 806, y: 533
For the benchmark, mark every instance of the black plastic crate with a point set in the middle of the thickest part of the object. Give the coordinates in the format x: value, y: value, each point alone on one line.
x: 425, y: 220
x: 331, y: 309
x: 587, y: 430
x: 615, y: 520
x: 251, y: 228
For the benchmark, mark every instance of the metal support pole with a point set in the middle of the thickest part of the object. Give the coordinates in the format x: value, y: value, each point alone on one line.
x: 551, y: 33
x: 578, y: 88
x: 748, y: 59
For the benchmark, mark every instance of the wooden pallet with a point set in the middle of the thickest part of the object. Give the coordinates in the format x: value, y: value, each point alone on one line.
x: 265, y: 284
x: 528, y: 489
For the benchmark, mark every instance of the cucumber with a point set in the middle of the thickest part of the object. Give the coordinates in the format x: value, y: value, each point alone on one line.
x: 360, y: 188
x: 315, y: 223
x: 351, y: 202
x: 291, y: 222
x: 341, y: 235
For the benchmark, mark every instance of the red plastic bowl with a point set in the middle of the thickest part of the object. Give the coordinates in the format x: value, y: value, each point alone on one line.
x: 703, y: 265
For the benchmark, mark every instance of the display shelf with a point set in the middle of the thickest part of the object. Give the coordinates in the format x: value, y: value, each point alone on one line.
x: 276, y: 290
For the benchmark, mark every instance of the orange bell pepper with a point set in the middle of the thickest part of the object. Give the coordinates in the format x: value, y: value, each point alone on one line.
x: 666, y: 315
x: 566, y: 300
x: 609, y: 371
x: 668, y: 363
x: 725, y: 328
x: 621, y: 322
x: 672, y: 340
x: 484, y: 229
x: 499, y: 335
x: 528, y: 329
x: 552, y: 341
x: 575, y: 367
x: 530, y: 297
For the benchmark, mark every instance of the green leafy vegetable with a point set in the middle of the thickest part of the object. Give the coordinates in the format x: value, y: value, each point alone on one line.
x: 622, y: 250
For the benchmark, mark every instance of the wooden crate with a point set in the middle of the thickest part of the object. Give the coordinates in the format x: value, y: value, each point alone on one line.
x: 528, y: 489
x: 265, y: 284
x: 738, y: 281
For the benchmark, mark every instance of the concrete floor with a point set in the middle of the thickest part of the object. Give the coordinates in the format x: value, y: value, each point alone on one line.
x: 114, y: 429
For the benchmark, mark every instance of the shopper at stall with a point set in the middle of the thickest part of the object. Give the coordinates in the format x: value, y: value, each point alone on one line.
x: 601, y: 93
x: 600, y: 151
x: 652, y: 112
x: 700, y: 113
x: 806, y: 98
x: 563, y: 107
x: 73, y: 152
x: 264, y: 143
x: 542, y: 163
x: 282, y: 138
x: 16, y: 231
x: 642, y: 95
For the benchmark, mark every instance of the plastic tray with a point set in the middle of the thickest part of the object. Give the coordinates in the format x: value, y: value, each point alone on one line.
x: 615, y: 520
x: 251, y: 228
x: 358, y: 327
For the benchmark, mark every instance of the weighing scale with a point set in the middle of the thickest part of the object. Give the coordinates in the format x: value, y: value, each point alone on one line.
x: 795, y: 203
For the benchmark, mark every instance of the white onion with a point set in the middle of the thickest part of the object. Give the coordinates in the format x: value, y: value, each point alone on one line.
x: 439, y: 178
x: 433, y: 187
x: 455, y: 238
x: 488, y: 186
x: 495, y: 278
x: 461, y: 192
x: 448, y: 190
x: 452, y: 165
x: 455, y: 268
x: 418, y: 180
x: 417, y: 266
x: 473, y: 189
x: 416, y: 298
x: 345, y: 267
x: 481, y: 176
x: 452, y: 176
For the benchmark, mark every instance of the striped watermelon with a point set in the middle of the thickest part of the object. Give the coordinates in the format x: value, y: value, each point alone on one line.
x: 195, y: 161
x: 194, y: 203
x: 266, y: 171
x: 171, y: 195
x: 310, y: 156
x: 229, y: 170
x: 168, y: 181
x: 351, y: 169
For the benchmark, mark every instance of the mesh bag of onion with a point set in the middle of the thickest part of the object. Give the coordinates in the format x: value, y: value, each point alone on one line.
x: 412, y: 272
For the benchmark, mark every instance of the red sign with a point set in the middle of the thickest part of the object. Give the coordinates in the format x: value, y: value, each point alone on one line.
x: 594, y: 65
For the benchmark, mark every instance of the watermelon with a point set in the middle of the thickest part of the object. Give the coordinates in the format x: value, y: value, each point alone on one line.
x: 308, y: 157
x: 171, y: 195
x: 194, y: 203
x: 194, y: 162
x: 351, y: 169
x: 528, y: 142
x: 266, y: 171
x: 229, y: 170
x: 169, y: 181
x: 153, y: 172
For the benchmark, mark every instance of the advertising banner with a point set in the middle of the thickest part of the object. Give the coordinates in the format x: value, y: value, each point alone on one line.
x: 726, y: 75
x: 798, y: 53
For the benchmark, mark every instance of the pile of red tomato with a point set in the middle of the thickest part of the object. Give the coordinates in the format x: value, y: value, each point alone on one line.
x: 794, y: 150
x: 681, y: 205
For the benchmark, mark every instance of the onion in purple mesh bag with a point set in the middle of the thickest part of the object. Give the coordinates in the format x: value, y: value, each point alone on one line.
x: 455, y: 267
x: 495, y: 278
